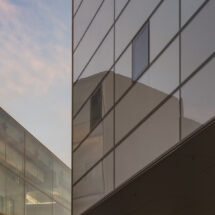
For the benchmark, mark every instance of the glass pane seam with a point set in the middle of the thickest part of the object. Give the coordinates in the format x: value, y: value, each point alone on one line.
x: 152, y: 62
x: 154, y: 110
x: 88, y: 27
x: 111, y: 27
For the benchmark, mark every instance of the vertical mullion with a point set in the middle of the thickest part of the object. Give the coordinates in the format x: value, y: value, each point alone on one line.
x: 5, y: 180
x: 72, y: 105
x: 52, y: 191
x: 149, y: 43
x: 114, y: 88
x: 24, y: 172
x: 180, y: 99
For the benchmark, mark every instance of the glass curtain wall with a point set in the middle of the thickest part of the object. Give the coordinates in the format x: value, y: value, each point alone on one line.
x: 33, y: 181
x: 150, y: 66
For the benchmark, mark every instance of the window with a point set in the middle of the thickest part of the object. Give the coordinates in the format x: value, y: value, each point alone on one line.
x: 1, y: 204
x: 96, y: 107
x: 10, y: 208
x: 140, y: 52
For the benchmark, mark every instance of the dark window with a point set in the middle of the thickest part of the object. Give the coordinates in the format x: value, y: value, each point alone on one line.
x: 140, y: 52
x: 96, y: 108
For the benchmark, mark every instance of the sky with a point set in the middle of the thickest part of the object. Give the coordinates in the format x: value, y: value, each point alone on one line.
x: 35, y: 69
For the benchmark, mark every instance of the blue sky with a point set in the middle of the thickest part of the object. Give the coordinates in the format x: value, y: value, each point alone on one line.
x: 35, y: 69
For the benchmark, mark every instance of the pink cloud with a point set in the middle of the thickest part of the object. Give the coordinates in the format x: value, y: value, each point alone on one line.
x: 6, y: 6
x: 23, y: 66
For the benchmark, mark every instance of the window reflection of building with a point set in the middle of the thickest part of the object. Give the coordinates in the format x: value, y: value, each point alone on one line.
x: 10, y: 207
x: 155, y: 66
x: 95, y: 146
x: 23, y: 158
x: 140, y: 52
x: 96, y: 108
x: 1, y: 204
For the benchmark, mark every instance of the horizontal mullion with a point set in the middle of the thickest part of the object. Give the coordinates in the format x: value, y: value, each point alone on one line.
x: 211, y: 57
x: 91, y: 131
x: 153, y: 163
x: 86, y: 30
x: 126, y: 91
x: 88, y: 98
x: 78, y: 8
x: 94, y: 53
x: 153, y: 61
x: 32, y: 184
x: 78, y: 111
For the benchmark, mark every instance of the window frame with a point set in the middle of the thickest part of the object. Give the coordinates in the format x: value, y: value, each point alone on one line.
x: 97, y: 94
x: 137, y: 36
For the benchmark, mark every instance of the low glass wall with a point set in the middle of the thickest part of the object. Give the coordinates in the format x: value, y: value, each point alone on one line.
x: 32, y: 178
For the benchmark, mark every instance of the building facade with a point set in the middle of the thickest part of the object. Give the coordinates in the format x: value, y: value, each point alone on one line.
x: 33, y: 181
x: 143, y: 83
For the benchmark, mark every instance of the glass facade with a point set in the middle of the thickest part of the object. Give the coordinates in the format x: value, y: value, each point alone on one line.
x: 33, y: 181
x: 143, y: 83
x: 140, y: 52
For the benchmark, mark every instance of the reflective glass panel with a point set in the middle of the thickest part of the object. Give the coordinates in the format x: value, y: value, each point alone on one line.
x: 62, y: 183
x: 151, y: 139
x: 164, y: 24
x: 12, y: 141
x: 60, y: 210
x: 14, y: 194
x: 188, y: 8
x: 94, y: 147
x: 197, y: 40
x: 180, y: 183
x: 95, y: 71
x: 84, y: 17
x: 155, y: 85
x: 198, y: 99
x: 134, y: 16
x: 119, y: 5
x: 36, y: 203
x: 93, y: 37
x: 39, y: 166
x: 82, y: 123
x: 11, y: 193
x: 2, y: 135
x: 94, y: 186
x: 2, y: 190
x: 140, y: 52
x: 76, y: 4
x: 96, y: 108
x: 123, y: 73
